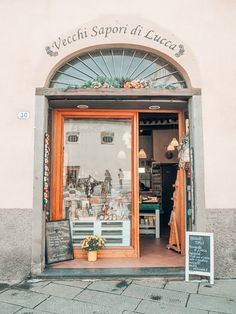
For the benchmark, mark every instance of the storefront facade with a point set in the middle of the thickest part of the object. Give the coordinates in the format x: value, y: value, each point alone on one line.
x: 71, y: 111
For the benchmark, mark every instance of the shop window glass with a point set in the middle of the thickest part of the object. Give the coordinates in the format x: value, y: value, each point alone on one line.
x: 97, y: 179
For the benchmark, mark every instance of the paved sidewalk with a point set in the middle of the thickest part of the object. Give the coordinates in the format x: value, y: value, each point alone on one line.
x: 118, y: 296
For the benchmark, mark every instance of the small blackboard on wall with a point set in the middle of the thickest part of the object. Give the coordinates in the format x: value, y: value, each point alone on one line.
x: 58, y: 241
x: 199, y: 255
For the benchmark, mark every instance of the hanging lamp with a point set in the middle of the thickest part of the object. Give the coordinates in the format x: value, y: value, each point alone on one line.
x: 170, y: 147
x: 174, y: 142
x: 142, y: 154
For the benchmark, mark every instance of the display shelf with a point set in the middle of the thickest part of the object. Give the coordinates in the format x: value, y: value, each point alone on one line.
x: 157, y: 181
x: 150, y: 223
x: 116, y: 233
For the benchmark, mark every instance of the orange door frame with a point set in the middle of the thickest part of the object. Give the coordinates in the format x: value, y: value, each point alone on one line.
x: 57, y: 170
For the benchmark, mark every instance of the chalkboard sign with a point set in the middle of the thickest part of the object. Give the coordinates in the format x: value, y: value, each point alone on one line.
x: 58, y: 241
x: 199, y: 254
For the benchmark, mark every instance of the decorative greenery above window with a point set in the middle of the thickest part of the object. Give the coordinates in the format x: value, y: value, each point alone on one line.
x: 118, y: 68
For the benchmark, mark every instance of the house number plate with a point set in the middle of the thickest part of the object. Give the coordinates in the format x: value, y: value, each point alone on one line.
x: 23, y: 115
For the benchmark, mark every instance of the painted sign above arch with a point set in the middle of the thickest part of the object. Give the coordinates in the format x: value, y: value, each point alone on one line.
x: 108, y: 30
x: 118, y: 31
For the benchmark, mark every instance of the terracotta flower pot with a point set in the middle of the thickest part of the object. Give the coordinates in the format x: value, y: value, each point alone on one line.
x: 92, y: 256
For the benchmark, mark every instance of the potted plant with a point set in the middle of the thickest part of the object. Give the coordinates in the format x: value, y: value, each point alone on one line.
x: 92, y: 244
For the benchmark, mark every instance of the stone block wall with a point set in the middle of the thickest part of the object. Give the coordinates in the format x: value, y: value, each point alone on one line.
x: 222, y: 222
x: 15, y: 244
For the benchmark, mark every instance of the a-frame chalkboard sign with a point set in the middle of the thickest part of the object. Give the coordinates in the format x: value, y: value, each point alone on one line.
x: 58, y: 241
x: 199, y: 255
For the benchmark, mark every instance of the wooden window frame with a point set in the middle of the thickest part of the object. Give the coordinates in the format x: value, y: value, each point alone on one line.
x: 57, y: 170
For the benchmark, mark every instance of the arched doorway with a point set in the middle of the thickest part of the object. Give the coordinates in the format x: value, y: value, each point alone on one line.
x: 95, y: 87
x: 82, y: 191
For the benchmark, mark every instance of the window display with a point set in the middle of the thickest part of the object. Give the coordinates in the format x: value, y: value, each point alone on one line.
x: 97, y: 179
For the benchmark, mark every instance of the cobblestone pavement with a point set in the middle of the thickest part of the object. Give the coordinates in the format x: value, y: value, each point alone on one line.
x: 118, y: 296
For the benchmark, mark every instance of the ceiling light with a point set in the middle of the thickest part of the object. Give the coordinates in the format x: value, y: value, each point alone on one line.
x: 82, y: 106
x: 154, y: 107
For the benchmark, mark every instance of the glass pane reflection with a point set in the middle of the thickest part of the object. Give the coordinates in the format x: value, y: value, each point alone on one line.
x: 97, y: 179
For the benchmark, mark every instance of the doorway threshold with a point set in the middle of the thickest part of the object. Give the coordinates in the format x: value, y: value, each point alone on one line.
x: 176, y: 272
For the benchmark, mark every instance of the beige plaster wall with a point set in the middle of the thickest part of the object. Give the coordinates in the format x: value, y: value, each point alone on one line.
x: 206, y: 28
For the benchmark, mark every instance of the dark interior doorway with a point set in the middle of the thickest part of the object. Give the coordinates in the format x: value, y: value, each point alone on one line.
x: 158, y: 167
x: 168, y: 179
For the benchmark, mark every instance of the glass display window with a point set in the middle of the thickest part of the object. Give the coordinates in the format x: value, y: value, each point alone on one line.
x: 94, y: 180
x: 97, y: 179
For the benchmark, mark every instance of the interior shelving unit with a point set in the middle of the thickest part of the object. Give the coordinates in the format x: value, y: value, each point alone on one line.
x: 157, y: 181
x: 149, y: 223
x: 151, y: 201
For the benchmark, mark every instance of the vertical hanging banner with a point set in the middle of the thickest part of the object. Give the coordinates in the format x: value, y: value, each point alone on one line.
x: 46, y: 175
x: 199, y: 255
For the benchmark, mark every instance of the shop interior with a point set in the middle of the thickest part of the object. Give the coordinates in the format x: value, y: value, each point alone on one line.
x: 158, y: 165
